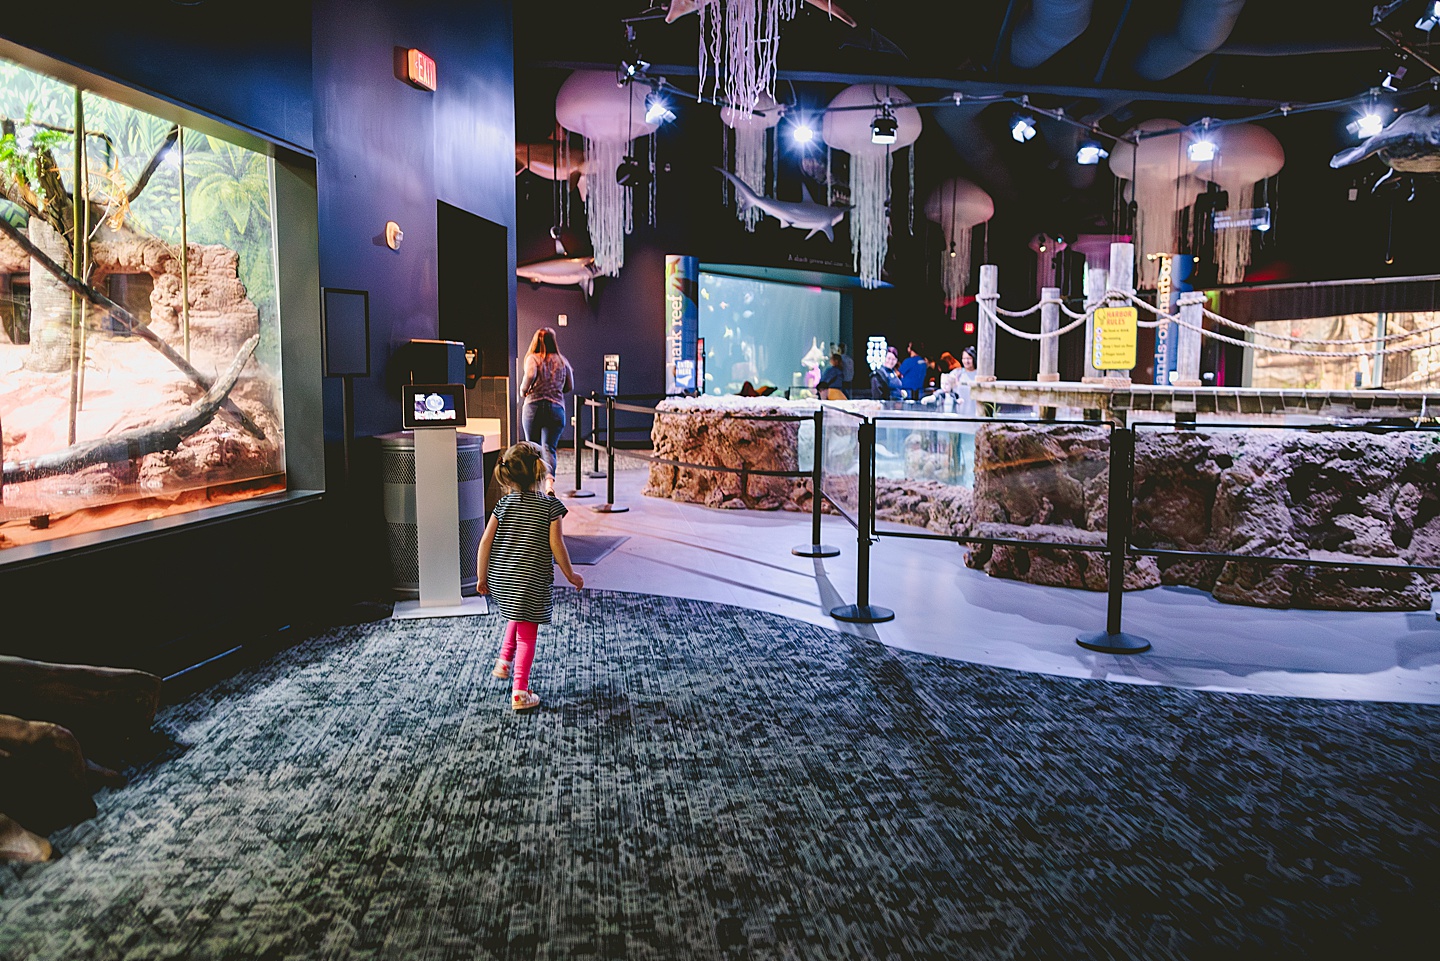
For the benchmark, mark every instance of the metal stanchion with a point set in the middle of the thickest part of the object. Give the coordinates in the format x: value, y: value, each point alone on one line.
x: 861, y: 612
x: 579, y: 490
x: 595, y: 470
x: 609, y: 506
x: 1121, y: 505
x: 815, y: 548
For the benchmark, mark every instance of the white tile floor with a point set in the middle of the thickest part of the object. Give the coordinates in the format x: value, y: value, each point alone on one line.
x: 942, y: 607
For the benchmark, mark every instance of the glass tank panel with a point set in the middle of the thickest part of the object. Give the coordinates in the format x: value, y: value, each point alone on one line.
x: 139, y: 321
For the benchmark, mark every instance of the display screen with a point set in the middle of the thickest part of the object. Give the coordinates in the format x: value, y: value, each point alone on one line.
x: 433, y: 405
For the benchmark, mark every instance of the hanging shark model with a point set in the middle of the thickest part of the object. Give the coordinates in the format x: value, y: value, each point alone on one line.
x: 1410, y: 145
x: 561, y: 272
x: 805, y: 214
x: 676, y: 9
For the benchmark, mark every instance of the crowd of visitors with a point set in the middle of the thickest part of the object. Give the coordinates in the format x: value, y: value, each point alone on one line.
x: 918, y: 376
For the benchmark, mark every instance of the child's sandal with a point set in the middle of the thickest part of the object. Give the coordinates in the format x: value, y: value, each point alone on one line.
x: 524, y: 700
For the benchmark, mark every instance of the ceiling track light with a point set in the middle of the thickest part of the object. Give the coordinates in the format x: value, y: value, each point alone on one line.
x: 802, y: 133
x: 1091, y: 152
x: 657, y: 111
x: 1022, y: 127
x: 884, y: 129
x: 1430, y: 17
x: 1202, y: 149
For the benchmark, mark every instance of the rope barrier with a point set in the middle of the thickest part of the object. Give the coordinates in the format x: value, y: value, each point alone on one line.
x: 1213, y: 335
x: 1403, y: 335
x: 995, y: 313
x: 1026, y: 335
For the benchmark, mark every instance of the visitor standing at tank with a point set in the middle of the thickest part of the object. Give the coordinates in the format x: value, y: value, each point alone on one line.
x: 548, y: 378
x: 833, y: 378
x: 884, y: 382
x: 848, y: 363
x: 522, y: 543
x: 912, y: 370
x: 958, y: 380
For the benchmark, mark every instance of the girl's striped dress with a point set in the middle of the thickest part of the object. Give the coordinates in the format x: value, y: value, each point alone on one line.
x: 522, y: 569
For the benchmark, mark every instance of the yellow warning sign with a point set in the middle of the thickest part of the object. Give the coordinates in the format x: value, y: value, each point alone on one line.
x: 1113, y: 347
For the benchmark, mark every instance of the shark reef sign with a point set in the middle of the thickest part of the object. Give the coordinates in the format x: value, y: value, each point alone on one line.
x: 682, y: 322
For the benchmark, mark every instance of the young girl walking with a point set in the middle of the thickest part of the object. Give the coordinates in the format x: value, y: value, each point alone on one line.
x: 521, y: 543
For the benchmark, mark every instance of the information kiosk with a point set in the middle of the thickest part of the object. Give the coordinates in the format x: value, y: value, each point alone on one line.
x: 433, y: 411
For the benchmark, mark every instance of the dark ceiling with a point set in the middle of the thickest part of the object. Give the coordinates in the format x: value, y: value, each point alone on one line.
x: 1110, y: 63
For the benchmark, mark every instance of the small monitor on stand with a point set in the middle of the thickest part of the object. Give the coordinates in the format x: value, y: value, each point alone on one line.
x: 432, y: 405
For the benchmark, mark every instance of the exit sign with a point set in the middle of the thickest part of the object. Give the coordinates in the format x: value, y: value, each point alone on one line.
x: 419, y: 69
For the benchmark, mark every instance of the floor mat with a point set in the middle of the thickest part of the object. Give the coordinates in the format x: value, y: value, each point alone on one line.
x: 591, y: 548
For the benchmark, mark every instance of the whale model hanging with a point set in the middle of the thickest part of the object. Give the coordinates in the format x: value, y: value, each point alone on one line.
x: 676, y: 9
x: 805, y: 214
x: 1410, y: 145
x: 561, y: 272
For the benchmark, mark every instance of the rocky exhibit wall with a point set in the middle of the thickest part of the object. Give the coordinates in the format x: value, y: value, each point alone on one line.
x: 1332, y: 496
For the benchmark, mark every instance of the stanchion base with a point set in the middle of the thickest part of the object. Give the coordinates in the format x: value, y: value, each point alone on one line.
x: 1107, y: 643
x: 609, y: 509
x: 869, y: 614
x: 596, y: 474
x: 579, y: 492
x: 815, y: 550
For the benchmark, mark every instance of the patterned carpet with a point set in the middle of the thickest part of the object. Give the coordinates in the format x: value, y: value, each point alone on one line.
x: 706, y: 782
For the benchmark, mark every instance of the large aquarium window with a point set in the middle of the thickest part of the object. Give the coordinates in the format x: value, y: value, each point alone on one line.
x: 764, y: 333
x: 139, y: 317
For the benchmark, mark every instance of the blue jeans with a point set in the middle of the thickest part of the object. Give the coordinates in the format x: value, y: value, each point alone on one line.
x: 543, y: 422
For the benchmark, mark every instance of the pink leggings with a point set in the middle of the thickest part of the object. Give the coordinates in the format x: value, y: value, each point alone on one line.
x: 519, y: 647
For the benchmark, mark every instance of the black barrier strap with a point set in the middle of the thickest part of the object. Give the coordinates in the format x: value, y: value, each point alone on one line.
x: 1296, y: 561
x: 792, y: 474
x: 1004, y: 541
x: 841, y: 511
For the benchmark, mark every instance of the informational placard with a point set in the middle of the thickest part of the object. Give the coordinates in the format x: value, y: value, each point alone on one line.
x: 612, y: 375
x: 1116, y: 333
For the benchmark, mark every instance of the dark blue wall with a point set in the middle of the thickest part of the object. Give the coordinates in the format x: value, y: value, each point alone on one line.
x: 388, y: 151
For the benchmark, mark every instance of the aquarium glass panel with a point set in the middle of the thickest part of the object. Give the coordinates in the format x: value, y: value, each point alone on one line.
x: 139, y: 359
x: 766, y: 334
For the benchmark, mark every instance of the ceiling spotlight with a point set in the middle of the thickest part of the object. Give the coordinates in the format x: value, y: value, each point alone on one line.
x: 1366, y: 125
x: 630, y: 69
x: 803, y: 132
x: 657, y: 111
x: 884, y: 127
x: 1429, y: 18
x: 1393, y: 76
x: 1202, y: 148
x: 1022, y: 127
x: 1090, y: 153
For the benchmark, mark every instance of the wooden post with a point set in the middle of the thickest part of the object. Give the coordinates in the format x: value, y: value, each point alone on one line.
x: 1050, y: 346
x: 989, y: 299
x: 1099, y: 281
x: 1122, y: 277
x: 1187, y: 373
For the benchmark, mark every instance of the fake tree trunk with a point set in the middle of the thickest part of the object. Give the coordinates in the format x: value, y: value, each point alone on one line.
x: 51, y: 304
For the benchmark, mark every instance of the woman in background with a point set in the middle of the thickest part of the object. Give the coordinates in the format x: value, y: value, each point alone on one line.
x: 548, y: 378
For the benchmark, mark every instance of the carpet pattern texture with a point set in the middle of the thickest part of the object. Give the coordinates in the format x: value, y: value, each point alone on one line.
x: 707, y: 782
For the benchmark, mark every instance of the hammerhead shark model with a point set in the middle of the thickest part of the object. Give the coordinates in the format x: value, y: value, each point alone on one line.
x: 805, y: 214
